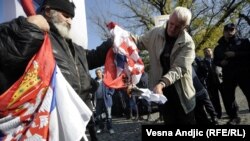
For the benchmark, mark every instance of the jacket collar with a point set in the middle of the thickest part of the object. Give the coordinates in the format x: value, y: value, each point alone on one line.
x: 53, y: 29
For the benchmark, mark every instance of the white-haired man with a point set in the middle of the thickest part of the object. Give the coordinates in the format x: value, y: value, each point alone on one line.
x: 171, y: 52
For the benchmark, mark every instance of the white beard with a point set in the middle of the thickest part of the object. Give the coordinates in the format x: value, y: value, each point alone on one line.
x: 62, y: 27
x: 63, y: 30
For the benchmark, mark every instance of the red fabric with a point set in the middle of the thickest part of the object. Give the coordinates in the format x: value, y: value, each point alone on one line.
x: 123, y: 64
x: 26, y: 88
x: 17, y: 102
x: 111, y: 25
x: 28, y: 7
x: 110, y: 71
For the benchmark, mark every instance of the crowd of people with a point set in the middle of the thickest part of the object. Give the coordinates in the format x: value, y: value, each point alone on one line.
x: 191, y: 84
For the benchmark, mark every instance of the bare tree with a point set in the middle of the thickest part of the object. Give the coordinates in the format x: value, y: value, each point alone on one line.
x: 209, y: 16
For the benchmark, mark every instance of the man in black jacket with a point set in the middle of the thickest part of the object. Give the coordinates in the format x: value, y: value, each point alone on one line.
x: 209, y: 77
x: 233, y: 55
x: 21, y: 38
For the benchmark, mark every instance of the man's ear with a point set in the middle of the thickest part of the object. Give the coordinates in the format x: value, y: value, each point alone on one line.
x: 47, y: 12
x: 185, y: 27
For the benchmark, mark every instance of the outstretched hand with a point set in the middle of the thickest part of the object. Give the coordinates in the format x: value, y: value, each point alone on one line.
x: 158, y: 89
x: 39, y: 21
x: 129, y: 88
x: 224, y: 63
x: 230, y: 54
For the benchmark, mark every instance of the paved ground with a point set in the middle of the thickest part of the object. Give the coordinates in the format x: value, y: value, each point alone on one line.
x: 130, y: 130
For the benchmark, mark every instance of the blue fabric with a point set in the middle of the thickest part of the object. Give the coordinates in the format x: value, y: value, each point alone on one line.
x: 103, y: 92
x: 120, y: 60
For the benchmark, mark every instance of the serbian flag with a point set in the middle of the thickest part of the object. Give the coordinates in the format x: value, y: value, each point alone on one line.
x: 123, y: 64
x: 10, y: 9
x: 41, y: 105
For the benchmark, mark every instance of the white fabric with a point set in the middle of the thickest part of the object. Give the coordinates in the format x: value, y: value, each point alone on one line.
x: 152, y: 97
x: 73, y: 114
x: 122, y: 44
x: 79, y: 25
x: 67, y: 121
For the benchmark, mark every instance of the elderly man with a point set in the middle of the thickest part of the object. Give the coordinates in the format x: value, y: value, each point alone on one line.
x: 171, y: 52
x: 21, y: 38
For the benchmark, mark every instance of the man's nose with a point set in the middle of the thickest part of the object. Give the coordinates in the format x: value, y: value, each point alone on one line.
x: 69, y: 21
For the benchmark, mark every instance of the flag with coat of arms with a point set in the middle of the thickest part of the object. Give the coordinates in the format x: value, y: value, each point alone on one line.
x: 42, y: 105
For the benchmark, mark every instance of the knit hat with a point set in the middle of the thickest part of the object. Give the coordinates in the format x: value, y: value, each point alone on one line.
x: 62, y: 5
x: 229, y: 26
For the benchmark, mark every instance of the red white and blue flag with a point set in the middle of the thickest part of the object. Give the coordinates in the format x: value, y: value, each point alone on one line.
x: 123, y: 64
x: 42, y: 105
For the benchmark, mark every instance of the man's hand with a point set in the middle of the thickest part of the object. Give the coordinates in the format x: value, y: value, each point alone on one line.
x: 129, y: 88
x: 224, y: 62
x: 158, y: 88
x: 39, y: 21
x: 109, y: 42
x: 229, y: 54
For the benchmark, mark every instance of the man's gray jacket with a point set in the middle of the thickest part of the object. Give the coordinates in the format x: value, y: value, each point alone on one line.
x: 181, y: 59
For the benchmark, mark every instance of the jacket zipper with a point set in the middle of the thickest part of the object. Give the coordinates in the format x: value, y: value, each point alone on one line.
x: 74, y: 60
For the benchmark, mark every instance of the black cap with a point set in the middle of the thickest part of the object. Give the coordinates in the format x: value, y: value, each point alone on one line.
x: 61, y: 5
x: 229, y: 26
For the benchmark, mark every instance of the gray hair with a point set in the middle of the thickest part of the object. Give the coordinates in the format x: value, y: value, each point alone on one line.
x: 183, y: 14
x: 98, y: 69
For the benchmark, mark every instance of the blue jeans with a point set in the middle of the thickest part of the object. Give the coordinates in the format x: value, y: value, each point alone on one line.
x: 103, y: 113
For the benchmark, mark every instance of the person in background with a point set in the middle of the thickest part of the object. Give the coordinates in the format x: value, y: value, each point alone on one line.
x: 233, y: 54
x: 21, y: 38
x: 133, y: 107
x: 203, y: 102
x: 207, y: 72
x: 119, y: 103
x: 103, y: 104
x: 144, y: 105
x: 172, y: 52
x: 94, y: 87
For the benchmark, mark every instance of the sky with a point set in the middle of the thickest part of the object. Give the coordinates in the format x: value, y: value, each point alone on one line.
x: 93, y: 38
x: 101, y: 6
x: 93, y: 7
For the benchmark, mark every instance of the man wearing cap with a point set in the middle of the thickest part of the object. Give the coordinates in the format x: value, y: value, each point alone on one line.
x: 21, y: 38
x: 233, y: 55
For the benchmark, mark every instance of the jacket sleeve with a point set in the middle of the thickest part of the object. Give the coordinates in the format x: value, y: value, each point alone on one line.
x: 96, y: 57
x: 19, y: 41
x: 144, y: 40
x: 218, y: 55
x: 111, y: 91
x: 244, y: 50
